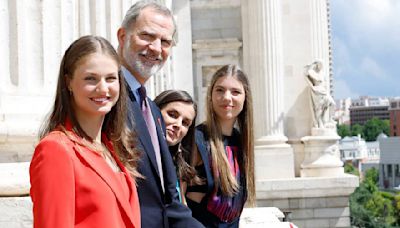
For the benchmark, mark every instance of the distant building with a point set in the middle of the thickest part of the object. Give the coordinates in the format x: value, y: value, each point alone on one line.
x: 362, y: 155
x: 360, y: 115
x: 394, y: 113
x: 366, y: 108
x: 366, y: 101
x: 389, y: 164
x: 352, y: 148
x: 342, y: 113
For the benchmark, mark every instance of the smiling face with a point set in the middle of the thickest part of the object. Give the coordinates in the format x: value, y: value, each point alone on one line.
x: 147, y: 44
x: 178, y: 117
x: 228, y: 97
x: 94, y: 86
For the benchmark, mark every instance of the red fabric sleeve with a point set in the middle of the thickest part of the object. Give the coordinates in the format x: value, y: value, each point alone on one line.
x: 52, y: 185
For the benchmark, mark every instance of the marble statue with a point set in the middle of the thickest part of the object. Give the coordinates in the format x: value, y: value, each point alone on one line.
x: 321, y: 100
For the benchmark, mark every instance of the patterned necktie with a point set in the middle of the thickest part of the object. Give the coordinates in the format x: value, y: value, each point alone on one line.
x: 151, y: 127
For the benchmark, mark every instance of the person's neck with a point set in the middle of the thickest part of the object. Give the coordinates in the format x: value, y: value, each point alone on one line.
x: 227, y: 126
x: 135, y: 74
x: 91, y: 126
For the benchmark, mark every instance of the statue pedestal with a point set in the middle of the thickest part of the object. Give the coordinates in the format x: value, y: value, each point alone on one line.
x: 322, y: 158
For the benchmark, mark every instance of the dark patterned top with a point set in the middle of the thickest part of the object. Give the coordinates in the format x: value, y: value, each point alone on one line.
x: 224, y: 207
x: 217, y: 210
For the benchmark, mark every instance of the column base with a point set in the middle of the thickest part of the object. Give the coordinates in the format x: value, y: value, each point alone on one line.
x: 18, y: 138
x: 274, y: 162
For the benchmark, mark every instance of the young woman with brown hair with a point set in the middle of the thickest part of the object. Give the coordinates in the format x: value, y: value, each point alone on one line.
x: 225, y: 154
x: 81, y: 169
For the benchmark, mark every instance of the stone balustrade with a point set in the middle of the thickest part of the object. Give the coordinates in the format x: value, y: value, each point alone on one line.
x: 16, y: 205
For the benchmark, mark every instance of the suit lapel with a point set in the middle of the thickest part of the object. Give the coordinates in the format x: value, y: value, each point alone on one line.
x: 166, y: 157
x: 158, y: 122
x: 142, y: 131
x: 169, y: 169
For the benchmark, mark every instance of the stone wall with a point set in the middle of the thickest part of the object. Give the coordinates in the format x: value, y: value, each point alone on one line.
x: 16, y: 212
x: 310, y: 202
x: 33, y: 37
x: 315, y: 211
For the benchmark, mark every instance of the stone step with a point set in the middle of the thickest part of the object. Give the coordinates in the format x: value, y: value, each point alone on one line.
x: 16, y: 212
x: 14, y: 179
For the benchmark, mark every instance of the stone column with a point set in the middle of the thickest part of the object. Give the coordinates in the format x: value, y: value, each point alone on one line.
x: 34, y: 37
x: 263, y: 62
x: 182, y: 52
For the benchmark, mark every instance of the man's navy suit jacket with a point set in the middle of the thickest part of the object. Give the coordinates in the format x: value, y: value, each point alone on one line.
x: 157, y: 209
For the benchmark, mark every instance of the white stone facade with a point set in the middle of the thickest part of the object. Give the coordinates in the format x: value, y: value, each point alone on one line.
x: 272, y: 41
x: 34, y: 36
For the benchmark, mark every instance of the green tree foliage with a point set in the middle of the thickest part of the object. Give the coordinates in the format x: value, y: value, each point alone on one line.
x: 385, y: 126
x: 357, y: 129
x: 369, y: 131
x: 371, y: 208
x: 374, y: 127
x: 349, y: 168
x: 397, y: 206
x: 343, y: 130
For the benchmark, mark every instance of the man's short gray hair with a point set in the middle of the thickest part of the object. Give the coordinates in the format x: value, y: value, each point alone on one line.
x: 133, y: 13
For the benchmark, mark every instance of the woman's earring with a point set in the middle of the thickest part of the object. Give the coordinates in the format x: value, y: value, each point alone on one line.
x: 70, y: 91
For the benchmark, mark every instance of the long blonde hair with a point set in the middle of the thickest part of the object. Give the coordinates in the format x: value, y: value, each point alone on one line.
x: 225, y: 179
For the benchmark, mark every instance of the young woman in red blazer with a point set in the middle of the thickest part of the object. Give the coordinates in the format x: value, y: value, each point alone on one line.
x: 81, y: 169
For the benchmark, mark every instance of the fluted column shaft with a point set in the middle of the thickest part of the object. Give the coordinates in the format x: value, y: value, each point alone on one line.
x: 34, y: 35
x: 263, y: 62
x: 319, y: 35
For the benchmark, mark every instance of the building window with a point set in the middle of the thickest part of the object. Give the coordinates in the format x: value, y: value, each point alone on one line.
x: 390, y: 173
x: 383, y: 170
x: 397, y: 171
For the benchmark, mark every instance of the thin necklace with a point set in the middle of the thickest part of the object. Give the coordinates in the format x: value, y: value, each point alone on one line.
x: 106, y: 154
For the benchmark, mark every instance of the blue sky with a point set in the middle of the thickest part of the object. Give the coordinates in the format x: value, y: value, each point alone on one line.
x: 366, y: 47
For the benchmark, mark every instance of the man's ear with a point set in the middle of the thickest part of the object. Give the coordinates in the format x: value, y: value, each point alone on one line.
x: 121, y: 35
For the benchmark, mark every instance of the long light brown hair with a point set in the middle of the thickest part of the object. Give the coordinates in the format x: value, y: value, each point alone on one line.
x: 114, y: 125
x: 226, y: 180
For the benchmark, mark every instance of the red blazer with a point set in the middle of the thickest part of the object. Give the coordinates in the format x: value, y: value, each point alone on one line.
x: 72, y: 186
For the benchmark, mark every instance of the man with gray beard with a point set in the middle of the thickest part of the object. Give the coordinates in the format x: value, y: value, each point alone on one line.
x: 145, y: 40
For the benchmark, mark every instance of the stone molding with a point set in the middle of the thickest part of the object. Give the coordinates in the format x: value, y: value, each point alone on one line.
x: 212, y: 44
x: 306, y: 187
x: 14, y: 179
x: 215, y: 4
